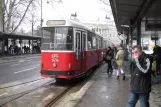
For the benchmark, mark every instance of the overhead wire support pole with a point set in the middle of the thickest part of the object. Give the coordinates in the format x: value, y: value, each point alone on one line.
x: 41, y: 14
x: 41, y: 24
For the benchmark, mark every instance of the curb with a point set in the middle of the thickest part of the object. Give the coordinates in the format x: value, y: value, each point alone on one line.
x: 78, y: 96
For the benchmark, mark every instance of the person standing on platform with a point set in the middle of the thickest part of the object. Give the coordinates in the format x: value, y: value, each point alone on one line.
x: 120, y: 61
x: 156, y: 53
x: 109, y: 56
x: 140, y: 68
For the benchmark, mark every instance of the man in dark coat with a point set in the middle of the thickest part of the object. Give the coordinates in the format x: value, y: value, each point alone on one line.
x: 140, y: 78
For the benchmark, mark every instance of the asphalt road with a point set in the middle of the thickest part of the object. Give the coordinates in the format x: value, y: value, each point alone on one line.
x: 20, y: 69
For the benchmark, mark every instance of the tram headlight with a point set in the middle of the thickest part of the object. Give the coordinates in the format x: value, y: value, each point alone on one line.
x: 54, y: 65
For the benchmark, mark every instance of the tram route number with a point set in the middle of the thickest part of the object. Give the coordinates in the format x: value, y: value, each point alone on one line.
x: 55, y: 60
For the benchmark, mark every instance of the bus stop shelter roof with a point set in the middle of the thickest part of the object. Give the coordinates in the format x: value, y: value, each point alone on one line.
x: 128, y: 12
x: 16, y: 36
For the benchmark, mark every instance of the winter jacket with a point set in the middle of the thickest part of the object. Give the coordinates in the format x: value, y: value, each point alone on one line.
x: 110, y: 54
x: 157, y: 52
x: 141, y: 74
x: 120, y: 57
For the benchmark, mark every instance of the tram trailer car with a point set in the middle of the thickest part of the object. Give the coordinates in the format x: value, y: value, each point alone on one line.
x: 69, y: 49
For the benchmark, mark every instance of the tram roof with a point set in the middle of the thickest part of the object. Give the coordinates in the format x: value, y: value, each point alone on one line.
x: 128, y: 12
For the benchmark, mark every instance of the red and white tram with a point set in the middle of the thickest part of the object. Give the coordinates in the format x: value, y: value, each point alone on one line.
x: 69, y: 49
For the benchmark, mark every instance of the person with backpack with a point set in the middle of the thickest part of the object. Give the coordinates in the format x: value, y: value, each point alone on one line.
x: 108, y: 58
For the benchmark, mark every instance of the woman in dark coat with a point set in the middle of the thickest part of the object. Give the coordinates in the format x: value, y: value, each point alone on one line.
x: 109, y: 56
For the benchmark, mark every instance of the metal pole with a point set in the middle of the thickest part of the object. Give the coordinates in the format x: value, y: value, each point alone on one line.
x: 32, y: 33
x: 41, y: 24
x: 41, y: 14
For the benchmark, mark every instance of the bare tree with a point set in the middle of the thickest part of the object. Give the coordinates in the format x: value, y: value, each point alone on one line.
x: 105, y: 2
x: 106, y: 6
x: 15, y: 12
x: 33, y: 21
x: 1, y: 15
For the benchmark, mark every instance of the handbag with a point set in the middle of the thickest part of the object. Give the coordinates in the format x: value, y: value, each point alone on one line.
x: 113, y: 63
x: 108, y: 57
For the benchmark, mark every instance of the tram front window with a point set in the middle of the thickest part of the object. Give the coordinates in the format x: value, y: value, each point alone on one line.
x: 57, y: 38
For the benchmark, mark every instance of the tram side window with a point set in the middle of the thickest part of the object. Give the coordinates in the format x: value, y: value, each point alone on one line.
x: 84, y: 41
x: 78, y: 41
x: 90, y: 44
x: 97, y: 43
x: 94, y: 41
x: 69, y: 45
x: 100, y: 44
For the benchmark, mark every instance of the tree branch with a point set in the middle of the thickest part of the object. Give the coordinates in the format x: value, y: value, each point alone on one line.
x: 23, y: 16
x: 105, y: 2
x: 5, y: 6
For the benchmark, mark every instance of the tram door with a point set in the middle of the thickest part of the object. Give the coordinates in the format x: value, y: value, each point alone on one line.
x: 80, y: 49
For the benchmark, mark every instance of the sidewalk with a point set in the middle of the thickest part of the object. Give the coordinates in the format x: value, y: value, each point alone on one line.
x: 107, y: 91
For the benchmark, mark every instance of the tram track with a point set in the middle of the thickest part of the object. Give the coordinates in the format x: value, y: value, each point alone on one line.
x: 59, y: 96
x: 21, y: 94
x: 23, y: 83
x: 63, y: 93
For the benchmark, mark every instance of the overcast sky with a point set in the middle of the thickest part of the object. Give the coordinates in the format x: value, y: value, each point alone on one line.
x: 86, y: 10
